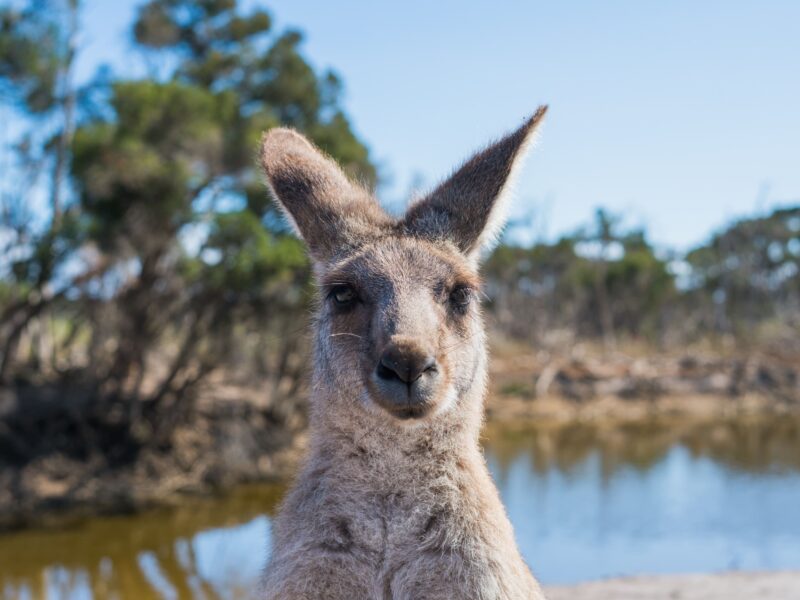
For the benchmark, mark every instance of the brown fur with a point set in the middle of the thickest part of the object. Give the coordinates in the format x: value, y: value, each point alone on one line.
x: 395, y: 500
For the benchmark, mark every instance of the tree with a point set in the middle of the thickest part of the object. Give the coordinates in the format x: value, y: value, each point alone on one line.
x: 748, y: 273
x: 185, y: 265
x: 37, y: 53
x: 598, y: 282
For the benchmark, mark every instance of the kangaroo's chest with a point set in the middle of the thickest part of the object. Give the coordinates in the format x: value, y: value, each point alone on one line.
x: 380, y: 520
x: 376, y: 527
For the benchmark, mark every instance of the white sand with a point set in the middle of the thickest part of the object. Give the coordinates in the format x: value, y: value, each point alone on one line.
x: 783, y: 585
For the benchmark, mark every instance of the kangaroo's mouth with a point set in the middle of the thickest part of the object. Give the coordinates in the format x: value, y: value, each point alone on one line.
x: 410, y: 412
x: 404, y: 402
x: 405, y: 409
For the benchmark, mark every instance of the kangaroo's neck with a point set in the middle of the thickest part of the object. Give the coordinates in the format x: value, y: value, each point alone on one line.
x: 370, y: 446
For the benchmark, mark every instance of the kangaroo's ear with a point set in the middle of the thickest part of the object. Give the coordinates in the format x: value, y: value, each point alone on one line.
x: 468, y: 209
x: 331, y: 213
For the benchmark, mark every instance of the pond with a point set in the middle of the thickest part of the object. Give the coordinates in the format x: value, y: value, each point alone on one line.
x: 586, y: 502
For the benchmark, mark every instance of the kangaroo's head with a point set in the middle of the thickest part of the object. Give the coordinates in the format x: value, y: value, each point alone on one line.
x: 399, y: 330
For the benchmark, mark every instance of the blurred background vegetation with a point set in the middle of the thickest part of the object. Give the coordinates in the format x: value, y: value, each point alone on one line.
x: 161, y: 276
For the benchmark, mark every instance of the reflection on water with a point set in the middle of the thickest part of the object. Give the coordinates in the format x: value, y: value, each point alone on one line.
x: 586, y: 502
x: 203, y: 549
x: 589, y: 503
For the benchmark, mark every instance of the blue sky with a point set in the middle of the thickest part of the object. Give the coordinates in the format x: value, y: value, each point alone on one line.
x: 679, y: 115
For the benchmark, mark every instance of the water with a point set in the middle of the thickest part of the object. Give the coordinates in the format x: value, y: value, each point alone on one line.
x: 586, y: 503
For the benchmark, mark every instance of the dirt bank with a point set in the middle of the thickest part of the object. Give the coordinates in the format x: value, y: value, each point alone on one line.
x: 60, y: 460
x: 724, y: 586
x: 590, y: 384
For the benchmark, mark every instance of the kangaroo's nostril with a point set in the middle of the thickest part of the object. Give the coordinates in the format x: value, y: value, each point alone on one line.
x: 430, y: 365
x: 405, y: 366
x: 386, y: 370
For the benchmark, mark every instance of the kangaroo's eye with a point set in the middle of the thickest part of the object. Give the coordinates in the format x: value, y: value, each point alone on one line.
x: 343, y: 295
x: 461, y: 296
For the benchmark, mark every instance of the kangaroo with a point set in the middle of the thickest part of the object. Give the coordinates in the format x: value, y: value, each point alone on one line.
x: 395, y: 500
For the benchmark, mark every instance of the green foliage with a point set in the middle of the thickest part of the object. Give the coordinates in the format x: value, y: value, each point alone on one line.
x: 571, y: 283
x: 748, y: 272
x: 138, y: 174
x: 30, y: 54
x: 761, y: 254
x: 221, y: 49
x: 249, y: 257
x: 605, y: 282
x: 47, y: 252
x: 171, y: 247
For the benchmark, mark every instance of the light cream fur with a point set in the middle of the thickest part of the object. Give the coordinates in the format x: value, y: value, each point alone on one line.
x: 395, y: 504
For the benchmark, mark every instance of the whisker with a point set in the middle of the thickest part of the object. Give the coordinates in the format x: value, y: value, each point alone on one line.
x: 350, y: 334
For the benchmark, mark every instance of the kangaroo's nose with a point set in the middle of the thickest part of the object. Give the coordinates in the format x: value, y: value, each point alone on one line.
x: 405, y: 364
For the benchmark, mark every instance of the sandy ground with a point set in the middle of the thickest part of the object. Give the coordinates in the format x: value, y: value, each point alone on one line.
x: 783, y: 585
